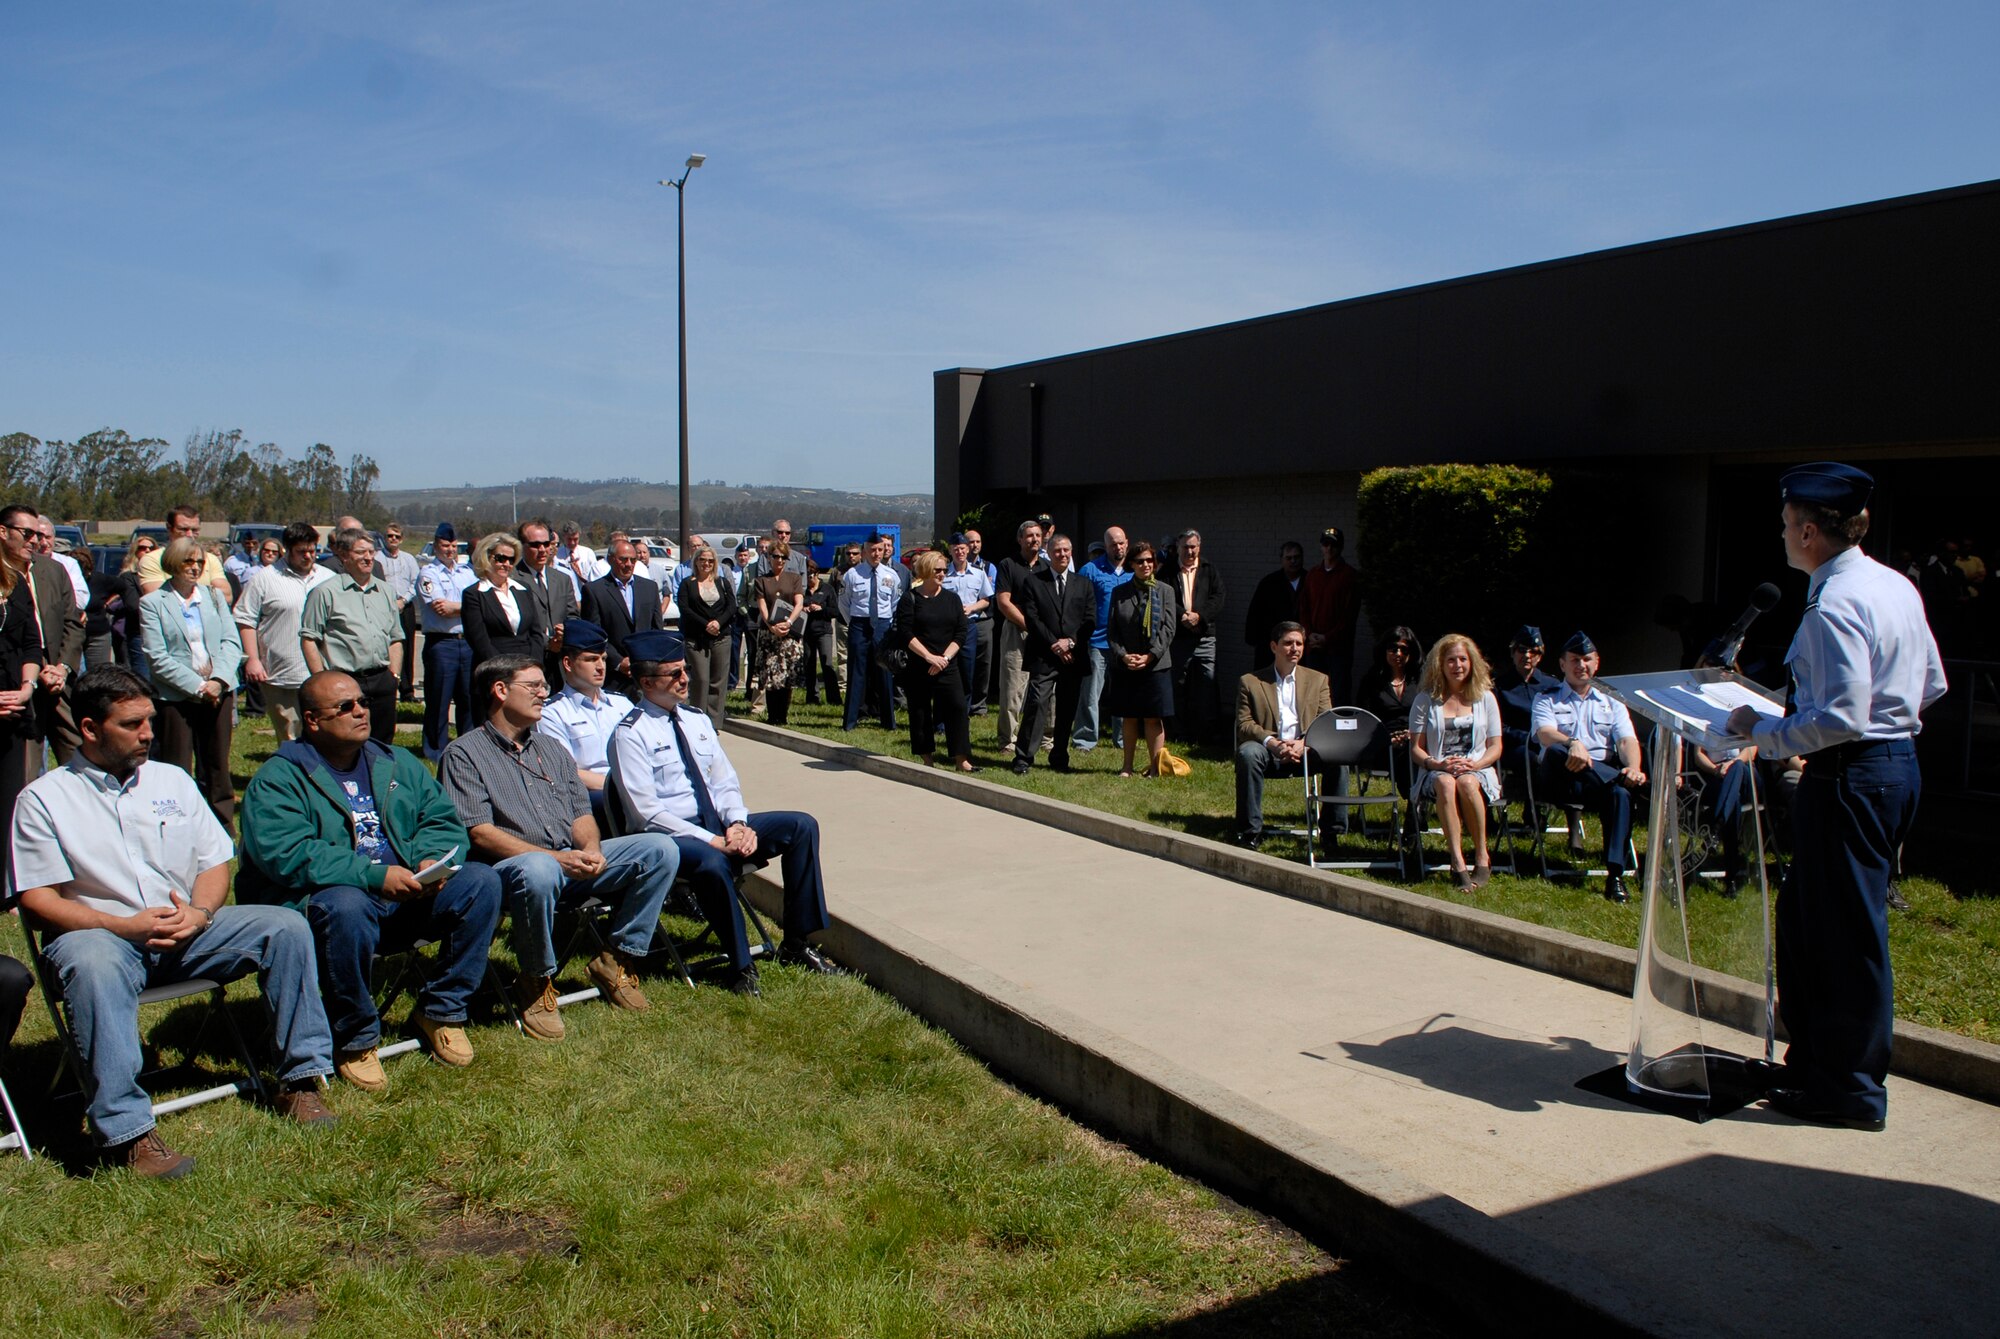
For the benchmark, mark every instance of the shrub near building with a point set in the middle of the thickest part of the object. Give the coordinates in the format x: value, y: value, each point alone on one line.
x: 1444, y: 547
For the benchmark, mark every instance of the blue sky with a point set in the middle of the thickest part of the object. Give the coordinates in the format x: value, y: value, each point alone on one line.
x: 432, y: 232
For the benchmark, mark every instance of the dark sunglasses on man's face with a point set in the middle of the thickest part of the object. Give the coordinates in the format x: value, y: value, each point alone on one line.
x: 341, y: 708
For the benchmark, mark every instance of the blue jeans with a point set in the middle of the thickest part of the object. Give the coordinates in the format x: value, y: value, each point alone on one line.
x: 102, y: 976
x: 864, y: 636
x: 350, y: 926
x: 1085, y: 737
x: 447, y: 680
x: 711, y: 876
x: 638, y: 871
x: 1852, y: 811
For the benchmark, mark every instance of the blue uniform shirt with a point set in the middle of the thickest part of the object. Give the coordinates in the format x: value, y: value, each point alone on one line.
x: 584, y: 727
x: 438, y: 582
x: 646, y: 760
x: 1598, y: 720
x: 1863, y: 663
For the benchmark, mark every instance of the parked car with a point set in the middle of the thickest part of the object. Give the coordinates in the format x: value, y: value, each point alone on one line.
x: 261, y: 530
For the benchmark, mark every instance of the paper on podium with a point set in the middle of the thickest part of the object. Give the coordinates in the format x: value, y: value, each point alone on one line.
x: 1695, y: 703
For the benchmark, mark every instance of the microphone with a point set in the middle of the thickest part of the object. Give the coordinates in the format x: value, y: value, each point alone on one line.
x: 1722, y: 651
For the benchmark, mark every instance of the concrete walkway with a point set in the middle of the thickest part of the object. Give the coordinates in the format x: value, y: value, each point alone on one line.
x: 1432, y: 1087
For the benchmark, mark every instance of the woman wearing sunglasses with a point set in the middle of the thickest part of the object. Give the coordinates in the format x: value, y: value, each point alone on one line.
x: 500, y: 617
x: 195, y: 652
x: 126, y: 641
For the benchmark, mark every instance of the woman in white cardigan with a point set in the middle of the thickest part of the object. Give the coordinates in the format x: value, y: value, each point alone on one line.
x: 1455, y: 744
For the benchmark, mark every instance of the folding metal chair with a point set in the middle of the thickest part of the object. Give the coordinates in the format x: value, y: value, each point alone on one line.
x: 1353, y: 738
x: 1499, y: 832
x: 250, y: 1085
x: 399, y: 971
x: 15, y: 1137
x: 702, y: 952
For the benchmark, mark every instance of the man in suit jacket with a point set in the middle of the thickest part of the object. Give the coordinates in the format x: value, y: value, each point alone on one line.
x: 1199, y: 587
x: 1275, y: 600
x: 623, y: 604
x: 62, y: 640
x: 1275, y: 706
x: 551, y: 592
x: 1061, y: 609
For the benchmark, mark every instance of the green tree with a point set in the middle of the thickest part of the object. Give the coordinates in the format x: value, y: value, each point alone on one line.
x: 1446, y: 547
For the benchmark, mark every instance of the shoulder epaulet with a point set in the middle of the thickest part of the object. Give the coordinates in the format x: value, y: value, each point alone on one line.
x: 630, y: 718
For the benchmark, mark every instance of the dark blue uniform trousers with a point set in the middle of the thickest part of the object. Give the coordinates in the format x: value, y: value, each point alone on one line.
x: 447, y: 687
x: 1852, y: 811
x: 1596, y: 786
x: 711, y: 876
x: 865, y: 672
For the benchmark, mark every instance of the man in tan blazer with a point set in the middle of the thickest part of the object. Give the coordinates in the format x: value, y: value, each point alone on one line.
x: 1274, y: 708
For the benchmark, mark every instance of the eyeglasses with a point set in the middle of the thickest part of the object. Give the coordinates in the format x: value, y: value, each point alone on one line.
x: 27, y: 532
x: 669, y: 672
x: 144, y: 548
x: 540, y: 543
x: 501, y: 558
x: 537, y: 688
x: 340, y: 708
x: 1142, y: 558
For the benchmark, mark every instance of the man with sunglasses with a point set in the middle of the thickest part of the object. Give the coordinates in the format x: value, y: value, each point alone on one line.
x: 529, y: 816
x: 340, y: 826
x: 667, y: 761
x: 551, y: 592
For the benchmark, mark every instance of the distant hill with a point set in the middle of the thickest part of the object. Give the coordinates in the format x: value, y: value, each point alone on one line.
x: 602, y: 505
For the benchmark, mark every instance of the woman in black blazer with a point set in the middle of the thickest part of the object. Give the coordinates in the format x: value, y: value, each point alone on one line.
x: 708, y: 608
x: 1139, y: 633
x: 499, y: 615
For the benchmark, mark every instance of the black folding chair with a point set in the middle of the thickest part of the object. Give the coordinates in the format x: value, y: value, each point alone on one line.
x: 1352, y: 738
x: 1499, y: 830
x: 217, y: 1006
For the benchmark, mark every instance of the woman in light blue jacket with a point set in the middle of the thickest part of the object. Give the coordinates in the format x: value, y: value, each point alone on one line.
x: 194, y: 652
x: 1455, y: 744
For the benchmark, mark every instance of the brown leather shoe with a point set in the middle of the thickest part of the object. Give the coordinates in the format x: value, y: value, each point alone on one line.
x: 363, y: 1069
x: 541, y: 1016
x: 612, y: 971
x: 148, y: 1155
x: 447, y: 1041
x: 305, y: 1106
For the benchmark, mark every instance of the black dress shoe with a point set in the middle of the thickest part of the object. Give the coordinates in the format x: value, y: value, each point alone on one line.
x: 1797, y: 1104
x: 1732, y: 884
x: 1021, y: 768
x: 1614, y: 888
x: 807, y: 959
x: 1897, y: 902
x: 744, y: 983
x: 1250, y: 841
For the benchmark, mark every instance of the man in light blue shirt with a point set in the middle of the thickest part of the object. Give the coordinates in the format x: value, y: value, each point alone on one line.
x: 241, y: 564
x: 974, y: 590
x: 1593, y: 753
x: 582, y: 716
x: 868, y: 597
x: 441, y: 585
x: 1107, y: 573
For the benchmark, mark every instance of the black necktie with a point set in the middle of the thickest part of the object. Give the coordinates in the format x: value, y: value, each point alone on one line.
x: 704, y: 803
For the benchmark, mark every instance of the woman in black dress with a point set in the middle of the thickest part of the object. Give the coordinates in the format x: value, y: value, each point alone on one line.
x: 1387, y: 690
x: 821, y: 593
x: 708, y: 609
x: 20, y: 664
x: 1139, y: 633
x: 930, y: 624
x: 126, y: 628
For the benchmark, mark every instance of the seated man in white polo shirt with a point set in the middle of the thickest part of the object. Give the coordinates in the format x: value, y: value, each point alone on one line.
x: 126, y: 868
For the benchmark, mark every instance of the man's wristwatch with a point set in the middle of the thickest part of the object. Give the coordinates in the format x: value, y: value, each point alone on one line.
x: 207, y: 917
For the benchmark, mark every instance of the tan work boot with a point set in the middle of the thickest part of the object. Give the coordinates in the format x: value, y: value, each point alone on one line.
x: 541, y: 1016
x: 148, y: 1155
x: 363, y: 1069
x: 612, y: 971
x: 448, y: 1041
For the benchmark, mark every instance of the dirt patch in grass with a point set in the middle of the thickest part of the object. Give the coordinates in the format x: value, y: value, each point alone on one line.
x: 292, y: 1312
x: 462, y: 1228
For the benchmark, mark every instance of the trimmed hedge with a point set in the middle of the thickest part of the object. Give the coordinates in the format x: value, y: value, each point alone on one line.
x: 1444, y: 546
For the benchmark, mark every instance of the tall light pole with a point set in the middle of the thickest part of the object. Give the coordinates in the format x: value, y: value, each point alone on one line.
x: 694, y: 161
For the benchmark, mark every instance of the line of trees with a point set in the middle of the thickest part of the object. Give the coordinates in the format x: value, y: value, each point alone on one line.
x: 111, y: 474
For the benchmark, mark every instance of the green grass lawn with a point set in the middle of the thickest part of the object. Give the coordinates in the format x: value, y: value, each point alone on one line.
x: 1945, y: 949
x: 817, y: 1162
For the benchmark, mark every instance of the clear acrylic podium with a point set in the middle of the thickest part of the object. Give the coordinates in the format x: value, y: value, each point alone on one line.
x: 1670, y: 1057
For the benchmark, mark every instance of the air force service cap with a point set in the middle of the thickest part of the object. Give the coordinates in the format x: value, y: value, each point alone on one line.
x: 1829, y: 484
x: 1579, y: 644
x: 580, y: 634
x: 663, y: 647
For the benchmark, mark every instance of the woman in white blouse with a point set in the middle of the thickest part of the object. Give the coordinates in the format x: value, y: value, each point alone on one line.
x: 1455, y: 745
x: 500, y: 619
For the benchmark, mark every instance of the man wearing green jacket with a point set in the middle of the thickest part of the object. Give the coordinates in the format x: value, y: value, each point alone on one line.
x: 343, y: 827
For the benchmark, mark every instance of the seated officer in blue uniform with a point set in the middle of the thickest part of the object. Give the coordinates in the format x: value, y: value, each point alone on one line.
x: 1583, y: 730
x: 582, y: 716
x: 669, y: 763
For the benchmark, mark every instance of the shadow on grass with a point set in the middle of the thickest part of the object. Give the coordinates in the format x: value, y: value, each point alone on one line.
x: 1324, y: 1304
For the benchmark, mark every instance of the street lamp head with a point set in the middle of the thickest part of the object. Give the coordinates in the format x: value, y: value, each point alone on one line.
x: 696, y: 160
